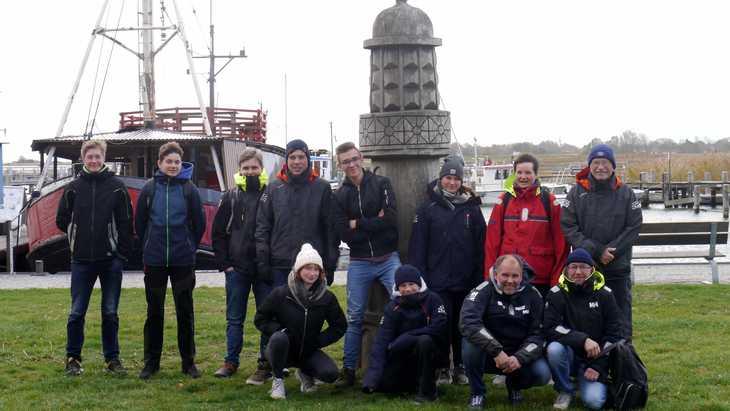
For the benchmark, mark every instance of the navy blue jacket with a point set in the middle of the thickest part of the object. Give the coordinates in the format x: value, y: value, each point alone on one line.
x: 447, y: 245
x: 170, y: 220
x: 404, y: 319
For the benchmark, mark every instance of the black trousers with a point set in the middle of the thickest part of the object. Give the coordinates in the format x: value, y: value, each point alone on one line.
x: 621, y: 288
x: 317, y: 364
x: 453, y: 300
x: 411, y: 370
x: 155, y: 287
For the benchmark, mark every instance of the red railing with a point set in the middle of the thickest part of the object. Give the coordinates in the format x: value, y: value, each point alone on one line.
x: 225, y: 122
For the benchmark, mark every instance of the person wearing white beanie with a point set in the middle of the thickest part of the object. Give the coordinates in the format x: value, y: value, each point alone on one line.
x: 293, y: 316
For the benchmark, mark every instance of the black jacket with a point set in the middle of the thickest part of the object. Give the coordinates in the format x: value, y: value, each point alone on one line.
x: 233, y: 230
x: 95, y: 212
x: 302, y: 323
x: 291, y: 214
x: 498, y: 322
x: 574, y: 313
x: 600, y: 215
x: 404, y: 319
x: 373, y: 236
x: 447, y: 245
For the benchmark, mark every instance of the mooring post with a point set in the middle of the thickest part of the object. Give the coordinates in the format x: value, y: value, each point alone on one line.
x: 708, y: 177
x: 666, y: 195
x: 725, y: 195
x: 697, y: 199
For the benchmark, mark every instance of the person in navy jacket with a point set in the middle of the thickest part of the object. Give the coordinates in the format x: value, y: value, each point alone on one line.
x: 447, y: 246
x: 412, y: 340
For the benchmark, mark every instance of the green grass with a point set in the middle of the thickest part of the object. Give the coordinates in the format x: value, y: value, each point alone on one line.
x: 682, y: 333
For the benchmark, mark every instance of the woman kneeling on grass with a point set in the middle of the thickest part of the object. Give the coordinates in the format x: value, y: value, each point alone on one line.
x: 292, y: 316
x: 170, y: 222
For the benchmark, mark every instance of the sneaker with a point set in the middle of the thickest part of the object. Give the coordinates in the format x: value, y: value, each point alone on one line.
x: 346, y: 378
x: 226, y: 371
x: 73, y: 367
x: 562, y: 402
x: 150, y: 369
x: 499, y: 379
x: 476, y: 402
x: 191, y: 370
x: 278, y: 392
x: 459, y: 377
x: 306, y: 382
x: 115, y: 367
x: 424, y: 398
x: 444, y: 377
x: 261, y: 375
x: 514, y: 396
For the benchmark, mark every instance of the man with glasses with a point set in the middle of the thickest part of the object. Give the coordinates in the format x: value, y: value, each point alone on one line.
x: 580, y: 318
x: 603, y: 216
x: 365, y: 217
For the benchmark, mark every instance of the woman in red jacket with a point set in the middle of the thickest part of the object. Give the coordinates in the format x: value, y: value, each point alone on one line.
x: 526, y: 221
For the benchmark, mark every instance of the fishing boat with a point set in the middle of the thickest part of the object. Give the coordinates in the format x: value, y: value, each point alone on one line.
x: 487, y: 180
x: 212, y: 138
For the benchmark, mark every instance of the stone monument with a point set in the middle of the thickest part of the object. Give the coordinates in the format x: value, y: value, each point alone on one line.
x: 405, y: 134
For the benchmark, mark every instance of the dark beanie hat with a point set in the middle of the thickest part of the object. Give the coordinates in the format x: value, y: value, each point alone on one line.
x: 453, y: 166
x: 407, y: 274
x: 580, y: 255
x: 602, y: 151
x: 295, y: 145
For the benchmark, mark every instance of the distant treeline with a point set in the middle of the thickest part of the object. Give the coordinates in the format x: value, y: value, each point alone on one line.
x: 627, y: 142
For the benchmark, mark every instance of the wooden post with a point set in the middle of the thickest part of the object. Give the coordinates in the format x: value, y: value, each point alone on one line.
x: 666, y: 195
x: 713, y: 243
x: 708, y: 177
x: 642, y: 179
x: 697, y: 199
x: 724, y: 195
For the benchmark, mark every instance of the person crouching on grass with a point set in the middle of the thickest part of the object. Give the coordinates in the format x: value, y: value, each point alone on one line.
x: 170, y: 222
x: 292, y: 317
x: 413, y: 339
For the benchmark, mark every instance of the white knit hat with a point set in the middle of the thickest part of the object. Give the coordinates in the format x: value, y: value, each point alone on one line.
x: 308, y: 255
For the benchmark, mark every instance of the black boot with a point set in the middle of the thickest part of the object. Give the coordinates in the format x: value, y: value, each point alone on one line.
x: 189, y: 368
x: 150, y: 368
x: 346, y: 378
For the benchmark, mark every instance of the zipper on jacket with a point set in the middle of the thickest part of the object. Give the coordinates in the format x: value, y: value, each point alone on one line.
x: 93, y: 212
x: 359, y: 201
x: 304, y: 334
x: 167, y: 223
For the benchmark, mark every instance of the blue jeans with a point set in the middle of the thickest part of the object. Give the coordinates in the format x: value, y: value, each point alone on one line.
x: 563, y: 363
x: 238, y: 286
x: 360, y: 275
x: 83, y: 278
x: 477, y: 362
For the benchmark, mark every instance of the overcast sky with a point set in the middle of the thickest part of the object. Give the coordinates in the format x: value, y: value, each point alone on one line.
x: 509, y: 70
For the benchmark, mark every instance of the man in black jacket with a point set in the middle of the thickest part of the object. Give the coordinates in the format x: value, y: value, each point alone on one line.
x: 603, y: 216
x: 95, y: 212
x: 295, y: 209
x: 365, y: 217
x: 581, y: 317
x: 235, y: 252
x: 500, y: 321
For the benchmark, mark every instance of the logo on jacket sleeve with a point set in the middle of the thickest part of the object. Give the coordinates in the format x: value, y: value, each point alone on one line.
x: 593, y: 304
x: 441, y: 309
x: 264, y: 197
x: 636, y: 205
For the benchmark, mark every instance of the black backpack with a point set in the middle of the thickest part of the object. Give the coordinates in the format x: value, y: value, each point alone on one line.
x: 628, y: 386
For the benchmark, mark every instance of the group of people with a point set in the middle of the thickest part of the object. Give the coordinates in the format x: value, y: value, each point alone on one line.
x: 506, y: 297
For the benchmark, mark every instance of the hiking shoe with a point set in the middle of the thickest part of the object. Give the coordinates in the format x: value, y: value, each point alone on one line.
x: 444, y: 377
x: 424, y: 398
x: 306, y: 382
x: 278, y: 392
x: 499, y: 379
x: 346, y: 378
x: 562, y: 402
x: 261, y: 375
x: 226, y: 371
x: 459, y: 377
x: 514, y: 396
x: 73, y: 367
x: 191, y: 370
x: 115, y: 367
x: 476, y: 402
x: 149, y: 370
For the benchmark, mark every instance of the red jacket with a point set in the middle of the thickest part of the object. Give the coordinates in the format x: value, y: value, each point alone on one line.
x: 524, y: 229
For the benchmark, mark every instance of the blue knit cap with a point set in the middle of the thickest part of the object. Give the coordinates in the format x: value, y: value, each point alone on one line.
x: 602, y: 151
x: 580, y: 255
x: 407, y: 274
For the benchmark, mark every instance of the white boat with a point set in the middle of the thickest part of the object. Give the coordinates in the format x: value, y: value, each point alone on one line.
x: 486, y: 180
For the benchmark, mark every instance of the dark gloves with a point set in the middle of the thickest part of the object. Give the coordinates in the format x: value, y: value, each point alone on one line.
x: 402, y: 343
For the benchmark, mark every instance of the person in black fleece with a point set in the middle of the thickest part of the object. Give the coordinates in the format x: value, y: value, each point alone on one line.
x: 581, y: 317
x: 500, y: 321
x: 412, y: 340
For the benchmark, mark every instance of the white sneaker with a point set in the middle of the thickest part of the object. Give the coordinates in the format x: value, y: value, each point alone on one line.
x: 306, y: 382
x: 562, y: 402
x: 499, y: 379
x: 444, y: 377
x: 278, y: 391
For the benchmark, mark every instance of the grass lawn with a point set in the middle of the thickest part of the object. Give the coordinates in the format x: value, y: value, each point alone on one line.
x: 682, y: 333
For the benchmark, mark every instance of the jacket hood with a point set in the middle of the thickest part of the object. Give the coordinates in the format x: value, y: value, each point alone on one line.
x: 303, y: 296
x: 595, y: 282
x: 584, y: 179
x: 435, y: 195
x: 241, y: 180
x: 423, y: 288
x: 186, y: 172
x: 283, y: 174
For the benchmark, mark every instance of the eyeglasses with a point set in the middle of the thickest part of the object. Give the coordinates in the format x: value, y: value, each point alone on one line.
x: 579, y: 267
x: 349, y: 161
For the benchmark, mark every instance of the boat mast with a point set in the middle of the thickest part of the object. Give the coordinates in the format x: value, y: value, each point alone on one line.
x: 147, y: 80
